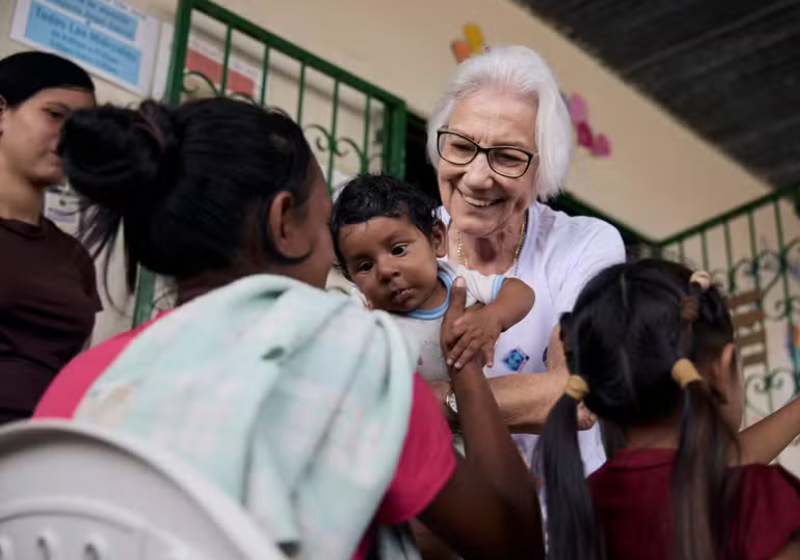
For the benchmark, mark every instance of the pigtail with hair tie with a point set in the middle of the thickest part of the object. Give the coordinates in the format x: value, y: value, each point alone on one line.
x: 576, y: 388
x: 702, y: 279
x: 684, y: 372
x: 690, y: 309
x: 702, y: 487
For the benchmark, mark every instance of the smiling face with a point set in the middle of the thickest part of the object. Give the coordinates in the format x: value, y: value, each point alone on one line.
x: 479, y: 200
x: 393, y: 263
x: 30, y: 132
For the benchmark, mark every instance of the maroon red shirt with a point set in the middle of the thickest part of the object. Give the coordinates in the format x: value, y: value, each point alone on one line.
x: 631, y: 494
x: 48, y: 301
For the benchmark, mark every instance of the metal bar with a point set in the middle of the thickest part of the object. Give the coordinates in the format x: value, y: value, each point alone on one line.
x: 145, y: 291
x: 223, y: 81
x: 751, y: 339
x: 398, y: 132
x: 754, y: 259
x: 729, y: 258
x: 386, y: 141
x: 146, y: 285
x: 301, y: 90
x: 704, y: 247
x: 264, y: 74
x: 757, y: 281
x: 367, y: 117
x: 180, y: 42
x: 754, y: 359
x: 750, y: 297
x: 332, y: 144
x: 785, y: 281
x: 747, y: 319
x: 293, y: 51
x: 753, y: 248
x: 778, y: 194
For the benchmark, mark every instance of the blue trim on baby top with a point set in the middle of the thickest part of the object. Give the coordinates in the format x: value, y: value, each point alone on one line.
x: 497, y: 284
x: 438, y: 313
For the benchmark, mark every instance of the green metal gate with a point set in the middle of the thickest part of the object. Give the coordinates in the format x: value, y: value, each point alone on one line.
x: 364, y: 128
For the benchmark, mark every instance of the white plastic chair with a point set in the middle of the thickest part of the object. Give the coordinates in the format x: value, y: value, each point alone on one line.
x: 72, y: 492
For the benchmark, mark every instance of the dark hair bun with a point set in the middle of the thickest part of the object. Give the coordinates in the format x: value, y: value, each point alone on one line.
x: 120, y: 158
x: 191, y: 185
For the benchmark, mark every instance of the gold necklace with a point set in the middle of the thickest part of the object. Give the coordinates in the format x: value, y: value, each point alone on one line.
x: 462, y: 257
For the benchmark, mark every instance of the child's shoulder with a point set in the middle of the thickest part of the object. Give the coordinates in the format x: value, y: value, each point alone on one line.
x: 769, y: 510
x: 453, y: 270
x: 760, y: 482
x: 480, y: 288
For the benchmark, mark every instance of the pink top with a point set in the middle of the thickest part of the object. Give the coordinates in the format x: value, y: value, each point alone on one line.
x: 426, y: 461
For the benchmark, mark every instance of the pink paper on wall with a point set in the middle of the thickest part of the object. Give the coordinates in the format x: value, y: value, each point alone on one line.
x: 578, y: 109
x: 601, y: 147
x: 585, y: 138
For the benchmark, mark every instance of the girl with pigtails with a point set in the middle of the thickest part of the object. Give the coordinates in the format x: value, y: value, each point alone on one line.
x: 651, y: 350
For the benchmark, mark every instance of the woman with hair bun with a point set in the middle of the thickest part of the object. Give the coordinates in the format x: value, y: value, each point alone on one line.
x: 48, y: 297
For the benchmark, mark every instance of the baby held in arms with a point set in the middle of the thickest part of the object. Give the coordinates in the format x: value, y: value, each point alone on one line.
x: 389, y: 242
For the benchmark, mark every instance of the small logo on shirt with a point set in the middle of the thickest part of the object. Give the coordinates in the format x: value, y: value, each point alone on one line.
x: 516, y: 360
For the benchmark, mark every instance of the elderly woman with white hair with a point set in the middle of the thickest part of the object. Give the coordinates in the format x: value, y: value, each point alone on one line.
x: 501, y: 142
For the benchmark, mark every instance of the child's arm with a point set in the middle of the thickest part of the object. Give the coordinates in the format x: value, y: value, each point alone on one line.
x: 479, y: 330
x: 766, y: 439
x: 513, y: 303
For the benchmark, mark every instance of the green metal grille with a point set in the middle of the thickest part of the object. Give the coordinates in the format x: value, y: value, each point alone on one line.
x: 378, y: 145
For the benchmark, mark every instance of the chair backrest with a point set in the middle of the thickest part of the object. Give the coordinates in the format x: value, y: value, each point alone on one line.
x: 72, y: 492
x: 748, y: 324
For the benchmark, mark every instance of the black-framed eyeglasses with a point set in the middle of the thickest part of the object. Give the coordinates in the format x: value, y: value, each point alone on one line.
x: 508, y: 161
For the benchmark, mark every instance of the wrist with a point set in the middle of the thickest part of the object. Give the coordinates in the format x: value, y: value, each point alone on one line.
x: 450, y: 407
x: 464, y: 380
x: 493, y: 316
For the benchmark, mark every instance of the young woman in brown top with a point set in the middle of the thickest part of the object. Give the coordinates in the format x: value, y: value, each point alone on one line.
x: 48, y: 296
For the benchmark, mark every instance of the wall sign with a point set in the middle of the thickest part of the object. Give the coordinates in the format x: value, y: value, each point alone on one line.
x: 107, y: 37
